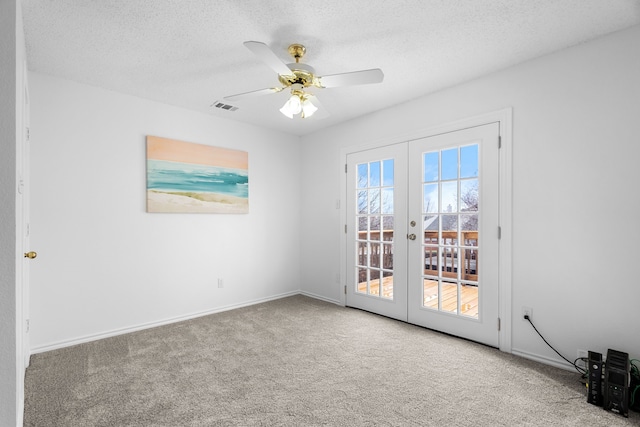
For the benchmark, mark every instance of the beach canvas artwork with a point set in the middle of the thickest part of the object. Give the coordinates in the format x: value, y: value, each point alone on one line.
x: 196, y: 178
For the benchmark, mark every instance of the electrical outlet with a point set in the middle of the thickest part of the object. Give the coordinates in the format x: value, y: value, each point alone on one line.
x: 220, y: 283
x: 527, y: 311
x: 582, y: 354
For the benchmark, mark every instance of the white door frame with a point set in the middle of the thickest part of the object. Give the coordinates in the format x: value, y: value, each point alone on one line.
x: 504, y: 118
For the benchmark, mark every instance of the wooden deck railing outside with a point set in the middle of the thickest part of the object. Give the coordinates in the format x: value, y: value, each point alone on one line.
x: 380, y: 254
x: 452, y: 257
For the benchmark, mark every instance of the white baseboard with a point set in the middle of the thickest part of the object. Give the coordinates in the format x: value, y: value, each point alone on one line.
x: 558, y: 363
x: 121, y: 331
x: 319, y: 297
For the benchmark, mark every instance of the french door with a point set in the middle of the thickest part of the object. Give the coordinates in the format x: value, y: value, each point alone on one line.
x: 422, y: 232
x: 377, y: 220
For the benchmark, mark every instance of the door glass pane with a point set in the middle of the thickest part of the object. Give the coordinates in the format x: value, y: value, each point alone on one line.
x: 374, y: 201
x: 469, y: 300
x: 450, y: 227
x: 469, y: 161
x: 387, y: 226
x: 449, y: 262
x: 449, y: 300
x: 469, y: 224
x: 449, y: 160
x: 430, y: 204
x: 469, y: 195
x: 374, y: 174
x: 469, y: 264
x: 450, y: 196
x: 431, y: 265
x: 387, y: 200
x: 363, y: 174
x: 361, y: 280
x: 374, y: 228
x: 430, y: 165
x: 374, y: 195
x: 362, y: 254
x: 431, y: 227
x: 362, y: 228
x: 374, y: 282
x: 450, y: 223
x: 363, y: 203
x: 387, y: 173
x: 387, y: 284
x: 430, y: 292
x: 387, y: 257
x: 375, y: 255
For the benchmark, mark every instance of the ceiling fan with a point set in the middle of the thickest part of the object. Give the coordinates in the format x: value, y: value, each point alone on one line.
x: 300, y: 77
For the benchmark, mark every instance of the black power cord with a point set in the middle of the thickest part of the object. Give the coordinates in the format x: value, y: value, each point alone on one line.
x: 580, y: 369
x: 634, y: 395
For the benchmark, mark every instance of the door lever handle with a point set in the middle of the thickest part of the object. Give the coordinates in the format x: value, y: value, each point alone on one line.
x: 30, y: 255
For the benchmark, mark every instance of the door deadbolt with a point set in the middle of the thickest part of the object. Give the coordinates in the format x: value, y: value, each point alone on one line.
x: 412, y: 223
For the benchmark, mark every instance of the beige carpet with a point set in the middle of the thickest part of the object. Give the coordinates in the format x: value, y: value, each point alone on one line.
x: 300, y: 362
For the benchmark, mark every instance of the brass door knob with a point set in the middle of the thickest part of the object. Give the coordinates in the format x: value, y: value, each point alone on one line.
x: 30, y: 255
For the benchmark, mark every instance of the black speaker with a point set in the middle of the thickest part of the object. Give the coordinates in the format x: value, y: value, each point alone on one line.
x: 616, y: 382
x: 634, y: 391
x: 595, y: 378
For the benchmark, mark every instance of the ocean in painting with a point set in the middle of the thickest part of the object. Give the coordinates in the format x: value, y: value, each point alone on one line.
x: 170, y: 176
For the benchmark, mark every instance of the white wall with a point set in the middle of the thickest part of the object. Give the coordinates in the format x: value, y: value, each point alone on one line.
x: 575, y: 203
x: 105, y: 265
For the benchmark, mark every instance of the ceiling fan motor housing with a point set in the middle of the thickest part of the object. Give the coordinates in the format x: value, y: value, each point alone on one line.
x: 300, y: 74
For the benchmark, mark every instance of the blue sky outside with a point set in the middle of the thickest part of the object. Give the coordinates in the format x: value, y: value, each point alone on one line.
x: 441, y: 171
x: 369, y: 173
x: 447, y: 166
x: 371, y: 177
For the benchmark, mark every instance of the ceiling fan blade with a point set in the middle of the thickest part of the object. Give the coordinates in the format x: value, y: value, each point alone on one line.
x: 267, y: 56
x: 363, y: 77
x: 253, y: 93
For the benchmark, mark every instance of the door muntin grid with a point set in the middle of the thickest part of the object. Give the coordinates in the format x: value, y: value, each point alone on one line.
x: 374, y: 195
x: 450, y: 211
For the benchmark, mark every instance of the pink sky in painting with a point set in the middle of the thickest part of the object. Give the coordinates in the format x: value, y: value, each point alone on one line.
x: 187, y: 152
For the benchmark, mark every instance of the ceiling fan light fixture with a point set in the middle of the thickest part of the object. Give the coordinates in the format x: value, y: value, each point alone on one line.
x: 286, y: 112
x: 308, y: 108
x: 292, y: 106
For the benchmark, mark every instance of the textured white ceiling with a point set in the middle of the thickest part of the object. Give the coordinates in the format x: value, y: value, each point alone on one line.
x: 189, y: 53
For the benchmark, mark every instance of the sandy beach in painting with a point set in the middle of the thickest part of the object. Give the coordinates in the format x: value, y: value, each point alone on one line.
x: 162, y: 201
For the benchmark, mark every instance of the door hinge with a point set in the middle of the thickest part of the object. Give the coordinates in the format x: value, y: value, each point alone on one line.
x: 345, y: 168
x: 498, y: 323
x: 345, y: 229
x: 345, y: 289
x: 28, y: 134
x: 499, y: 142
x: 499, y: 232
x: 27, y: 326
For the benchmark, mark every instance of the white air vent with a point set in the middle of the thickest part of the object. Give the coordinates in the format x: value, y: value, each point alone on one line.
x: 224, y: 106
